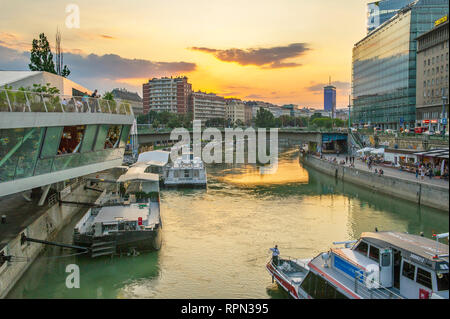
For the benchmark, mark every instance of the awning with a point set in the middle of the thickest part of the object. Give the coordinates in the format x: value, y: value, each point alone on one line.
x: 441, y: 153
x: 377, y: 151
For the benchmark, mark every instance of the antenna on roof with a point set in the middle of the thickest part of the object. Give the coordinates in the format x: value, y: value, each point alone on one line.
x: 59, y: 55
x: 329, y: 80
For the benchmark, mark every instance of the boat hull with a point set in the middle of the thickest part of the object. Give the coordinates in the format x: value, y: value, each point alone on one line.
x: 123, y: 242
x: 282, y: 281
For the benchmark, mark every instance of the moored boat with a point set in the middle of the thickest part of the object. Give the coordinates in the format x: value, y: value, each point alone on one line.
x: 127, y: 221
x: 379, y: 265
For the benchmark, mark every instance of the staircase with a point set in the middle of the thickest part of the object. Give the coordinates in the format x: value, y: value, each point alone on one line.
x: 103, y: 248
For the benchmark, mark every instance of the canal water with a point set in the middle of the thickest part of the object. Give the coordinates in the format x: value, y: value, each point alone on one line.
x: 216, y: 241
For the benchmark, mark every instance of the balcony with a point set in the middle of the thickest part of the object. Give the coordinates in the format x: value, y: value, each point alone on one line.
x: 26, y: 101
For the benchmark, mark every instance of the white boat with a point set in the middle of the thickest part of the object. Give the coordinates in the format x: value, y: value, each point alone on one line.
x: 126, y: 220
x: 187, y: 170
x: 379, y: 265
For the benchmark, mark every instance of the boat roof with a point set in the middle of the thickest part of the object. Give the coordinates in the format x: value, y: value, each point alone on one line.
x: 137, y: 172
x: 132, y: 212
x: 417, y: 248
x: 155, y: 158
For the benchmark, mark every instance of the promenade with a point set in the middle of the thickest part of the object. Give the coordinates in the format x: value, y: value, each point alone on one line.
x: 390, y: 171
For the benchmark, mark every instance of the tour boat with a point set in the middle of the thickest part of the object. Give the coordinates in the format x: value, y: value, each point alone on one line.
x: 186, y: 170
x: 379, y: 265
x: 127, y: 221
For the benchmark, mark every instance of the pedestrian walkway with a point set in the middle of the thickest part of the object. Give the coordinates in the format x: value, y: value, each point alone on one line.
x: 390, y: 171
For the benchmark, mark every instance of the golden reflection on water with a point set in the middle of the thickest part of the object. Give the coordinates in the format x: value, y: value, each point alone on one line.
x: 288, y: 171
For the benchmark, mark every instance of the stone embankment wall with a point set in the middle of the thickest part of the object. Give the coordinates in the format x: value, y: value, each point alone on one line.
x: 44, y: 228
x: 422, y: 194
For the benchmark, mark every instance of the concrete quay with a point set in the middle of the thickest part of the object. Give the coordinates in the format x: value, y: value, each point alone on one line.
x: 433, y: 193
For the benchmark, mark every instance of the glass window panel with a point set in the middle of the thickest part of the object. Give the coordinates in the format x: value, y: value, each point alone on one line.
x: 124, y: 135
x: 89, y: 138
x: 71, y: 139
x: 424, y: 278
x: 112, y: 137
x: 408, y: 270
x: 10, y: 141
x: 101, y: 137
x: 51, y: 142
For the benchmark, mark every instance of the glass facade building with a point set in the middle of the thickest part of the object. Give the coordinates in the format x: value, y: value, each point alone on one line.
x: 379, y: 12
x: 384, y: 67
x: 27, y: 152
x: 329, y: 98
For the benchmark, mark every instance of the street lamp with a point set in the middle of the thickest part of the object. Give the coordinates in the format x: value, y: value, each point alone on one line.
x: 349, y: 107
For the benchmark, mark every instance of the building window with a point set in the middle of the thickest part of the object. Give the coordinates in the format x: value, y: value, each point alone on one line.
x: 71, y: 139
x: 408, y: 270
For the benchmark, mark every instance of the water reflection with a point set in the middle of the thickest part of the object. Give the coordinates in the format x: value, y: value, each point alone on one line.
x: 215, y: 241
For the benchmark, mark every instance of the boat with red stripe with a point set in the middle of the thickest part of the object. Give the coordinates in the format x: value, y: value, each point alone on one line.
x: 379, y: 265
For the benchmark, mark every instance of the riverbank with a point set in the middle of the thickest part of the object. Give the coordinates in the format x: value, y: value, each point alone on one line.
x: 40, y: 222
x: 422, y: 193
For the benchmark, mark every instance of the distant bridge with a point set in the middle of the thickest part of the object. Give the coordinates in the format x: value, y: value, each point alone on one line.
x: 148, y: 136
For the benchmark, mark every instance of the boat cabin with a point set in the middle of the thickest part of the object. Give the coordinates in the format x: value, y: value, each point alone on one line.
x: 409, y: 266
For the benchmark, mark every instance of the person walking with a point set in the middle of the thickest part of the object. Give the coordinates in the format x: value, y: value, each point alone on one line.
x: 275, y: 254
x: 417, y: 172
x: 422, y: 172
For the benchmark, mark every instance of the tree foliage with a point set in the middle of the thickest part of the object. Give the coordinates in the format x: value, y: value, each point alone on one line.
x: 41, y: 57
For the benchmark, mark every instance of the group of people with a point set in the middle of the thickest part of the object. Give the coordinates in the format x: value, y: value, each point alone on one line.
x: 423, y: 171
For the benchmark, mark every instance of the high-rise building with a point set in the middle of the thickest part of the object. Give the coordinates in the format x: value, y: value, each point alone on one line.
x: 207, y: 106
x: 432, y: 76
x: 167, y: 94
x: 379, y: 12
x: 384, y: 67
x: 329, y: 98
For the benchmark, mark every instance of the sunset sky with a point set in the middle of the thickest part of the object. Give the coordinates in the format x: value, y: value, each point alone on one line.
x: 279, y: 51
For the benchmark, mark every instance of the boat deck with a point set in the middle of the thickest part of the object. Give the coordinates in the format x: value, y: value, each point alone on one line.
x: 358, y: 290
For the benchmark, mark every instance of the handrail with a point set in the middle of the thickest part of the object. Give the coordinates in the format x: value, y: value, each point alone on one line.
x: 28, y: 101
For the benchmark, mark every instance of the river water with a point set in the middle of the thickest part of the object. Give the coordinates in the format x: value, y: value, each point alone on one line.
x: 216, y: 241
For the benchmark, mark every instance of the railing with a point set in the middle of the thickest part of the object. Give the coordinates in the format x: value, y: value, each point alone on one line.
x: 377, y: 291
x: 26, y: 101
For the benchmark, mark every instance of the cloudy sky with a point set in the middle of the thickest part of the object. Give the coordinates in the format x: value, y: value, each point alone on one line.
x: 279, y: 51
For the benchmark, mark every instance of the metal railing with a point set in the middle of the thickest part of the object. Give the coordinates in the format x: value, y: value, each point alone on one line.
x: 27, y: 101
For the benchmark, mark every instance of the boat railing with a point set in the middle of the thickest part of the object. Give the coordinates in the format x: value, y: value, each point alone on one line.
x: 368, y: 288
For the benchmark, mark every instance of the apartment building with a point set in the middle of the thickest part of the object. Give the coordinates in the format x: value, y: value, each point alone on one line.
x: 235, y: 110
x: 207, y: 106
x: 167, y: 94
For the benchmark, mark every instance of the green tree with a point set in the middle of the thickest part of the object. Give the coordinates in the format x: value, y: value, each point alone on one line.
x: 41, y: 57
x: 264, y: 118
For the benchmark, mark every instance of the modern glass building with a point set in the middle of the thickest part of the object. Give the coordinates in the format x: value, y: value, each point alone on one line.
x: 329, y: 98
x: 45, y: 139
x: 379, y: 12
x: 384, y: 67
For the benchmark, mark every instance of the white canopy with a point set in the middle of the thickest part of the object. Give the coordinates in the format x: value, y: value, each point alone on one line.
x: 377, y: 151
x: 137, y: 172
x: 155, y: 158
x: 365, y: 150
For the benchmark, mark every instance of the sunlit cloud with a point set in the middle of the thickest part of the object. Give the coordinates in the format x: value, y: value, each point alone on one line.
x: 342, y: 88
x: 268, y: 58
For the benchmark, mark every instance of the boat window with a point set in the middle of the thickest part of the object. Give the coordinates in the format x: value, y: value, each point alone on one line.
x: 362, y: 248
x: 308, y: 283
x: 374, y: 253
x: 385, y: 259
x: 424, y: 278
x: 408, y: 270
x: 442, y: 282
x: 186, y: 173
